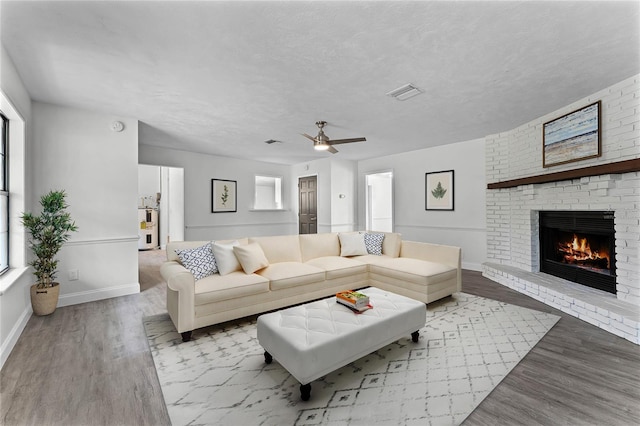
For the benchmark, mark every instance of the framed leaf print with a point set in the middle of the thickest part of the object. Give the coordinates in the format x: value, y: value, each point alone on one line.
x: 223, y: 196
x: 439, y: 190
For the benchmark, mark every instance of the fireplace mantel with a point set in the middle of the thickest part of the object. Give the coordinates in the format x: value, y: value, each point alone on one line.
x: 626, y: 166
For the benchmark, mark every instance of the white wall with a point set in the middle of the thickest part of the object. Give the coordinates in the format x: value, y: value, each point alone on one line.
x: 15, y: 305
x: 199, y: 169
x: 148, y: 185
x: 76, y: 150
x: 465, y: 226
x: 343, y: 182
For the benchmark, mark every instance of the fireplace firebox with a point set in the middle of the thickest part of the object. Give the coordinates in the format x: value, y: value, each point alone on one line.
x: 579, y: 246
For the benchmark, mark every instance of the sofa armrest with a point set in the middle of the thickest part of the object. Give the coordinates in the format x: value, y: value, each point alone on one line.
x: 447, y: 255
x: 180, y: 280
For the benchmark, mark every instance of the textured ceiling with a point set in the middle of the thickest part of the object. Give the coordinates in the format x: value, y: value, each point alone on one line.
x: 223, y: 77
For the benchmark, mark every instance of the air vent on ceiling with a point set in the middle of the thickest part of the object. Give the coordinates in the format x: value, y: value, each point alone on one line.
x: 270, y: 141
x: 405, y: 92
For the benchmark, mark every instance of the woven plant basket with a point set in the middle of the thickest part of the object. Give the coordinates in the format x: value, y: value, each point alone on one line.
x: 44, y: 300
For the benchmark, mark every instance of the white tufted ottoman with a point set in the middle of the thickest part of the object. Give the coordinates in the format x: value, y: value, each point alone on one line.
x: 316, y: 338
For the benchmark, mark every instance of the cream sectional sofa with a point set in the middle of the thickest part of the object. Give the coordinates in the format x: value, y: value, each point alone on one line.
x: 302, y: 268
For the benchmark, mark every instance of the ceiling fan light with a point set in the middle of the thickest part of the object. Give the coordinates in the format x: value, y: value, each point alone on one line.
x: 320, y: 146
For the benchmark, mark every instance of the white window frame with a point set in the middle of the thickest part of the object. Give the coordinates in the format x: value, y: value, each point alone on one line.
x: 278, y: 203
x: 16, y: 151
x: 4, y: 194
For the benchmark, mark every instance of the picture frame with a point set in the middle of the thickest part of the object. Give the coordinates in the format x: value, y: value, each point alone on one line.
x: 439, y: 190
x: 573, y: 137
x: 223, y: 196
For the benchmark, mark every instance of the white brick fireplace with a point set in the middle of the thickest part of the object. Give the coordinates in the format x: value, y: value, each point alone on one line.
x: 512, y: 213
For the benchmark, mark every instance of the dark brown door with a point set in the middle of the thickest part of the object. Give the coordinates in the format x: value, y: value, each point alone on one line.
x: 308, y: 199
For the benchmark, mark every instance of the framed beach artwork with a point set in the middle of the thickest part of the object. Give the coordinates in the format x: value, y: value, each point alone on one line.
x: 439, y: 190
x: 223, y: 196
x: 572, y: 137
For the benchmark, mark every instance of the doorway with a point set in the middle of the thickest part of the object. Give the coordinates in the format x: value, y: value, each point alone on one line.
x: 161, y: 193
x: 379, y: 201
x: 308, y: 205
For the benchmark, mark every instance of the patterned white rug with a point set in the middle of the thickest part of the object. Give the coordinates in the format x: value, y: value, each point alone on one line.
x: 468, y: 345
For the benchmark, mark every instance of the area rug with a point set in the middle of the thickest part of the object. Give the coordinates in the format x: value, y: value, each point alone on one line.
x: 468, y: 345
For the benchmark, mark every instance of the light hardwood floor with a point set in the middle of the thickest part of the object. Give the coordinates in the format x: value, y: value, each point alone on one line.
x: 90, y: 364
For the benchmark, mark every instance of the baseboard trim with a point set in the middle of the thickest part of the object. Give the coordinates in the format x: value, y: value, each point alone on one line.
x: 14, y: 335
x: 94, y: 295
x: 472, y: 266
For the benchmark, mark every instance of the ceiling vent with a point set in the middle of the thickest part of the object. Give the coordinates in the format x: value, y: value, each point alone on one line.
x: 270, y: 141
x: 405, y: 92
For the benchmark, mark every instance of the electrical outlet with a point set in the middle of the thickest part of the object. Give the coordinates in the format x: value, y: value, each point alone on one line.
x: 74, y: 275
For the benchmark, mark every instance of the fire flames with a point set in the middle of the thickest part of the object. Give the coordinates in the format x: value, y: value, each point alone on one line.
x: 578, y: 252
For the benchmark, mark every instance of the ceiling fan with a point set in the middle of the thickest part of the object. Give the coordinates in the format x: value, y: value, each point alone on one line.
x: 323, y: 143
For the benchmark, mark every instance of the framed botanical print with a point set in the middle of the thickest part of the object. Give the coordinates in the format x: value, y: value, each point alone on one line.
x: 223, y: 196
x: 439, y: 190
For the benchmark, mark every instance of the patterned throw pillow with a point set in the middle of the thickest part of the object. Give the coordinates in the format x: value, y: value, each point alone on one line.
x: 199, y: 261
x: 374, y: 243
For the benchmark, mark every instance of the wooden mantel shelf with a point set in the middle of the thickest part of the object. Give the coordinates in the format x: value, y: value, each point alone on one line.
x: 626, y: 166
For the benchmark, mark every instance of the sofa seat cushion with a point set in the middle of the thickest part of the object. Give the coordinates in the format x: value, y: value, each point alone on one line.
x: 291, y: 274
x: 216, y: 288
x: 372, y: 259
x: 415, y: 271
x: 338, y: 267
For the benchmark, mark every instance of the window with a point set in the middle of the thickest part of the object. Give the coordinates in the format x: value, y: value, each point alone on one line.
x: 268, y: 193
x: 4, y: 197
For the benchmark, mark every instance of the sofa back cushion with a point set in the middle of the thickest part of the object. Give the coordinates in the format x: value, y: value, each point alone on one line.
x: 391, y: 244
x: 283, y: 248
x: 313, y: 246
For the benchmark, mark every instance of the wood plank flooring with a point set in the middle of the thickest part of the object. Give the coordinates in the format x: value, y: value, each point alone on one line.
x: 90, y: 364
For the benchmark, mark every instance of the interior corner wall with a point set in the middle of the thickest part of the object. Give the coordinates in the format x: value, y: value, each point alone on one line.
x: 76, y: 150
x: 465, y: 226
x: 200, y: 223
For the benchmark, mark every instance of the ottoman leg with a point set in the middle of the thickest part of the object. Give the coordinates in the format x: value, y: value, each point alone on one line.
x: 414, y: 336
x: 186, y: 336
x: 305, y: 392
x: 267, y: 357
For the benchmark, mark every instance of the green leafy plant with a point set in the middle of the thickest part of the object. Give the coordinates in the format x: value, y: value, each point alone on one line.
x: 225, y: 195
x: 439, y: 191
x: 49, y: 231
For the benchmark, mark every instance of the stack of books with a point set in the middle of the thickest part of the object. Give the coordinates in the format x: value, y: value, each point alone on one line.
x: 353, y: 300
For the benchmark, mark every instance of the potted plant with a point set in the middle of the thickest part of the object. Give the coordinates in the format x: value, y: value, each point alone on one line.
x: 49, y: 232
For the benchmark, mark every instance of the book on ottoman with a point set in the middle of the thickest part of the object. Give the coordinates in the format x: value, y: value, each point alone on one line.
x: 353, y: 299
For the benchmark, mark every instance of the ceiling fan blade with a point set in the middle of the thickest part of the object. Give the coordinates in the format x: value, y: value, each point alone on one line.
x: 339, y: 141
x: 308, y: 137
x: 332, y: 150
